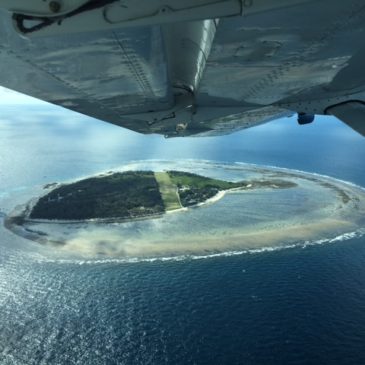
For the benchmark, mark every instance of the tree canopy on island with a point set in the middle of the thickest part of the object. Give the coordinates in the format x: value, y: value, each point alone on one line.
x: 135, y: 194
x: 118, y: 195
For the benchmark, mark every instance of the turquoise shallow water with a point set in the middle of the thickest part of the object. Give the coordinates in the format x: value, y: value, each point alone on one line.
x: 310, y: 212
x: 303, y: 305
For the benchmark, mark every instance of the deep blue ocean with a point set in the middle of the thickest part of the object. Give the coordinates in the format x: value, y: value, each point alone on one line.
x: 293, y: 306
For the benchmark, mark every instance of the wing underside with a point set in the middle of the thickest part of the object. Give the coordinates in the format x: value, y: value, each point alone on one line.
x: 203, y: 77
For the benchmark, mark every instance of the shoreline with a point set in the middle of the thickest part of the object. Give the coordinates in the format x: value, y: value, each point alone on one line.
x: 95, y: 238
x: 27, y: 207
x: 220, y: 195
x: 287, y: 236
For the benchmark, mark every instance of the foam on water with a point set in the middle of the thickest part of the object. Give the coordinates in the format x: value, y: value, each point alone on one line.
x: 303, y: 172
x: 134, y: 260
x: 121, y: 243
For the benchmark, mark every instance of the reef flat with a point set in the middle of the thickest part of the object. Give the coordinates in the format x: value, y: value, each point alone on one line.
x: 130, y: 195
x: 216, y: 208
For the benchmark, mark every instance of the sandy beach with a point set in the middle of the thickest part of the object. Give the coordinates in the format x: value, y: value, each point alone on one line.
x: 317, y: 209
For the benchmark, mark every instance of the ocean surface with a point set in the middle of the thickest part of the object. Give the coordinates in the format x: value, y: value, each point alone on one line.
x: 300, y: 305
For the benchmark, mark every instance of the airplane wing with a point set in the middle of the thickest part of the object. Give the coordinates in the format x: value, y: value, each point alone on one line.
x: 192, y: 67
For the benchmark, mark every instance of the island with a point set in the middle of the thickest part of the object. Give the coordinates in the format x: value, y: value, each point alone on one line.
x: 151, y: 210
x: 132, y: 195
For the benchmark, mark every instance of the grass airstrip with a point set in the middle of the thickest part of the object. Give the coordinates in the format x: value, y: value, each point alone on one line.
x: 168, y: 190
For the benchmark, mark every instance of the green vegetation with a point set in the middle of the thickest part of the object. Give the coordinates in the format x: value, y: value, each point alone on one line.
x: 168, y: 191
x: 120, y: 195
x: 194, y: 189
x: 182, y: 178
x: 135, y: 194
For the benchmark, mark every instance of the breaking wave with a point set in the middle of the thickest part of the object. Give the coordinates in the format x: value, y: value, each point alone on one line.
x: 134, y: 260
x: 319, y: 206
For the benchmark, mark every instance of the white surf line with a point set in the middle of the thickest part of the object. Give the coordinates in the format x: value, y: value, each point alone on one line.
x: 135, y: 260
x: 301, y: 172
